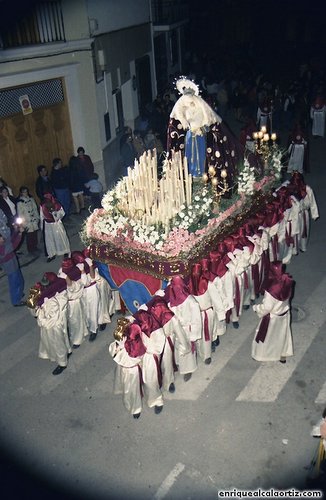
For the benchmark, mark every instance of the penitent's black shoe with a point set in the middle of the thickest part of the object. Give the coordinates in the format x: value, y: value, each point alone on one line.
x: 172, y: 388
x: 216, y: 342
x: 158, y: 409
x: 59, y: 369
x: 102, y: 327
x: 187, y: 376
x: 50, y: 259
x: 235, y: 324
x: 92, y: 337
x: 22, y: 303
x: 136, y: 415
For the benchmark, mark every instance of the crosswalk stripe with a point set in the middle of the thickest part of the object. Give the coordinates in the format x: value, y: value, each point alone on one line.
x: 321, y: 398
x: 77, y: 362
x: 13, y: 319
x: 230, y: 343
x: 270, y: 378
x: 169, y: 481
x: 17, y: 351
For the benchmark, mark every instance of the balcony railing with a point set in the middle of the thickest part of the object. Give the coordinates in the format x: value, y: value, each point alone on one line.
x: 43, y: 25
x: 169, y: 11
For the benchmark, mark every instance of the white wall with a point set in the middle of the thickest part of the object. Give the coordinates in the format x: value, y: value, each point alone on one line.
x: 75, y: 19
x: 112, y: 15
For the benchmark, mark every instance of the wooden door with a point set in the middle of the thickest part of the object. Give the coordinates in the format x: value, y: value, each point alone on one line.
x: 27, y: 141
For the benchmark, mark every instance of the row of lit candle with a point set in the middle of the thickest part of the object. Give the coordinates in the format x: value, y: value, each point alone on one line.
x: 263, y: 135
x: 212, y: 175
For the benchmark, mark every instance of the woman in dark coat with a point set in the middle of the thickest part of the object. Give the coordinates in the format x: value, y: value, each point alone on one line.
x: 77, y: 183
x: 8, y: 205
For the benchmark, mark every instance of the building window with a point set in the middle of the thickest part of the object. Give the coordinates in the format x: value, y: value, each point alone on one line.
x: 107, y: 127
x: 118, y: 110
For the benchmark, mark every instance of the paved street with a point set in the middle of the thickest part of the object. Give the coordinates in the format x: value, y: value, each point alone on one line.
x: 236, y: 423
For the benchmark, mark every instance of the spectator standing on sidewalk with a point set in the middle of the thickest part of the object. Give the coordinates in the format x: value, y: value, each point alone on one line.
x: 60, y: 183
x: 43, y: 183
x: 9, y: 263
x: 86, y: 165
x: 4, y: 228
x: 27, y: 210
x: 8, y: 205
x: 4, y: 184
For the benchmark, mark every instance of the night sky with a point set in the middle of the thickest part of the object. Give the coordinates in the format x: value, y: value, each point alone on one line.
x: 275, y: 35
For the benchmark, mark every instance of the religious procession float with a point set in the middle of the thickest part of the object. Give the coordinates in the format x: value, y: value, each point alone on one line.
x: 210, y: 184
x: 187, y: 247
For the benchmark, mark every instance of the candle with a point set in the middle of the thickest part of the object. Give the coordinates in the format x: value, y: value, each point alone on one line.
x: 255, y: 135
x: 190, y: 186
x: 266, y: 137
x: 273, y: 136
x: 263, y: 129
x: 185, y: 162
x: 211, y: 170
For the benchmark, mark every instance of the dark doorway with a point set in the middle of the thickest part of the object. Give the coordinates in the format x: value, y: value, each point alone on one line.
x: 143, y: 82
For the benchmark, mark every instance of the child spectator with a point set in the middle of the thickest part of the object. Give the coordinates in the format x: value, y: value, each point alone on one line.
x: 95, y: 190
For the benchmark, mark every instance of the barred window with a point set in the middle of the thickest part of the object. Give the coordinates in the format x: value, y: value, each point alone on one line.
x: 41, y: 95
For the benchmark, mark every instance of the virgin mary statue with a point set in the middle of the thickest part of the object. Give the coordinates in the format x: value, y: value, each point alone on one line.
x: 200, y: 133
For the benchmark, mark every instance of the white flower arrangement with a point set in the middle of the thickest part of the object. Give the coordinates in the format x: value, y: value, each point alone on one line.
x: 191, y: 217
x: 276, y: 163
x: 111, y: 224
x: 246, y: 179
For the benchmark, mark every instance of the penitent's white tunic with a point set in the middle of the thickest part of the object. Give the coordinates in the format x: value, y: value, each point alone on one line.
x: 185, y: 358
x: 296, y: 160
x: 318, y: 121
x: 150, y: 361
x: 278, y: 340
x: 218, y: 298
x: 105, y: 299
x: 127, y: 380
x: 308, y: 208
x: 208, y: 316
x: 90, y: 301
x: 56, y: 239
x: 52, y: 320
x: 77, y: 324
x: 189, y: 315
